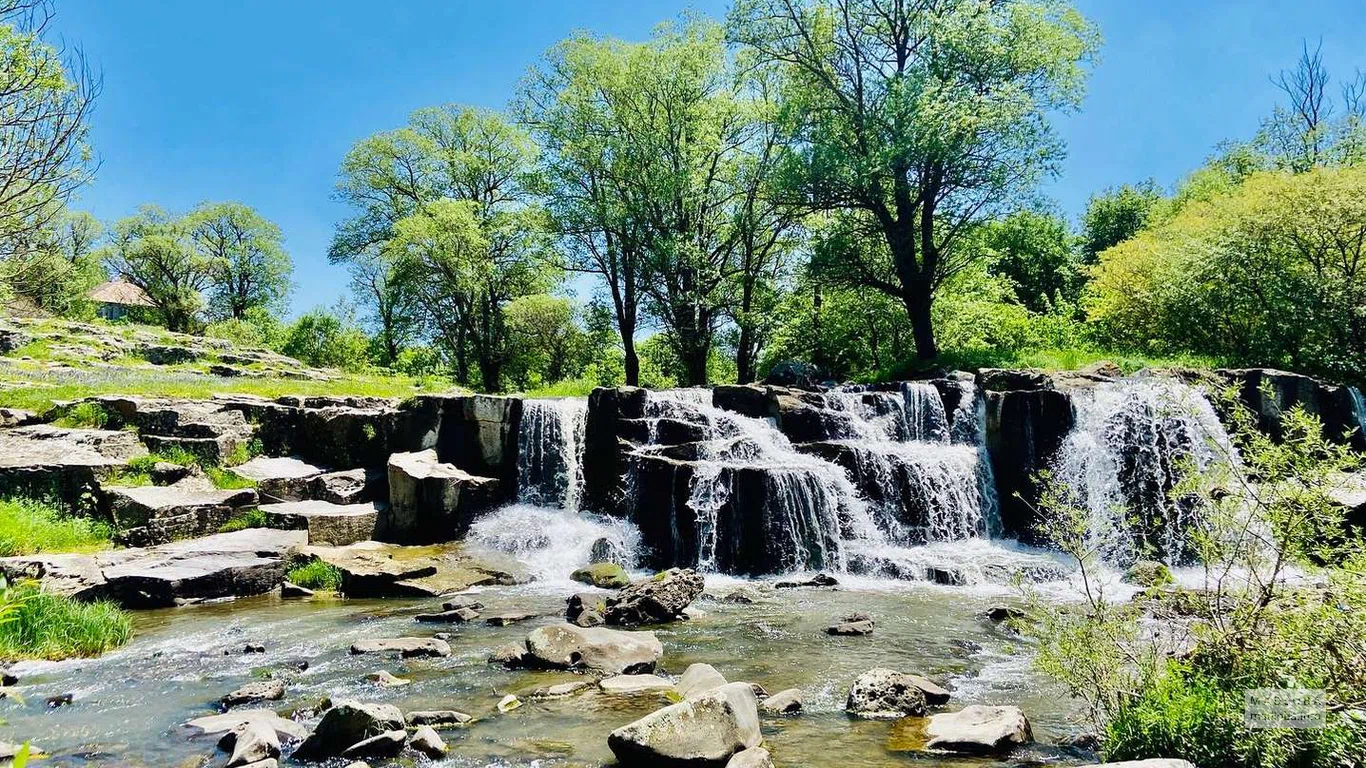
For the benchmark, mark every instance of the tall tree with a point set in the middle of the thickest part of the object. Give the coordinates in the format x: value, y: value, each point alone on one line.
x: 249, y: 263
x: 152, y: 250
x: 46, y: 96
x: 1314, y: 129
x: 923, y: 116
x: 57, y: 275
x: 386, y: 289
x: 1116, y: 215
x: 1038, y: 254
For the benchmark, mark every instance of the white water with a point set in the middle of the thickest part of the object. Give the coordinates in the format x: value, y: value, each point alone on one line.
x: 1359, y: 401
x: 1133, y: 441
x: 550, y: 452
x: 551, y: 542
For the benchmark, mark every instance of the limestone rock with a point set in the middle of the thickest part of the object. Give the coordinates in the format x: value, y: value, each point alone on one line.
x: 698, y: 679
x: 430, y: 500
x: 252, y: 742
x: 218, y: 725
x: 655, y: 601
x: 853, y: 624
x: 385, y: 679
x: 565, y: 646
x: 979, y: 729
x: 407, y: 647
x: 704, y: 731
x: 885, y: 694
x: 511, y: 655
x: 443, y: 718
x: 387, y: 744
x: 349, y: 723
x: 376, y: 569
x: 265, y: 690
x: 327, y: 524
x: 754, y: 757
x: 280, y: 478
x: 149, y: 515
x: 426, y: 741
x: 788, y: 702
x: 628, y: 684
x: 453, y: 616
x: 43, y: 460
x: 602, y: 575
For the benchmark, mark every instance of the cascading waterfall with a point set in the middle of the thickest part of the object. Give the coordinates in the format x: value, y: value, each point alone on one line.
x: 1132, y: 442
x: 550, y: 452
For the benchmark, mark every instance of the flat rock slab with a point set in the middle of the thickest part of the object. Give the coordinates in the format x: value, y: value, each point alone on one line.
x: 979, y: 729
x: 41, y: 460
x: 280, y: 477
x: 376, y: 569
x: 147, y: 515
x: 327, y: 524
x: 407, y: 647
x: 233, y: 564
x: 217, y: 725
x: 627, y: 684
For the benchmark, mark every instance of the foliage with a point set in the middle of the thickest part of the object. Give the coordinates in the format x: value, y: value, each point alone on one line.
x: 245, y: 251
x: 1034, y: 251
x: 252, y: 518
x: 326, y: 339
x: 1314, y: 130
x: 87, y: 414
x: 43, y: 625
x: 315, y: 574
x: 228, y: 480
x: 546, y: 340
x: 1115, y: 215
x: 914, y: 121
x: 57, y: 273
x: 1269, y: 274
x: 29, y: 526
x: 1270, y: 614
x: 153, y: 251
x: 257, y: 327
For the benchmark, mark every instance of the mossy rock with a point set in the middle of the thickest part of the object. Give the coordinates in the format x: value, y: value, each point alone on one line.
x: 602, y: 575
x: 1149, y: 573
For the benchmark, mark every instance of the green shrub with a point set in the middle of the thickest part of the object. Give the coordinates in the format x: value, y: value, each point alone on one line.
x: 28, y: 527
x: 316, y: 574
x: 40, y: 625
x: 252, y: 518
x: 91, y: 415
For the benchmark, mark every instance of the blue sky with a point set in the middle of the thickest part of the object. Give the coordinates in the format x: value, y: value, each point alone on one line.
x: 257, y: 100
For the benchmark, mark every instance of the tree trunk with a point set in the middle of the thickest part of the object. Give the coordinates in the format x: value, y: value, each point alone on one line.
x: 695, y: 365
x: 744, y: 368
x: 918, y: 299
x: 628, y: 345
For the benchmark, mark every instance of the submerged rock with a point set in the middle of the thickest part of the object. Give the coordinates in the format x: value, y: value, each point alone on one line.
x: 217, y: 725
x: 704, y: 731
x: 819, y: 580
x: 884, y: 694
x: 655, y: 601
x: 267, y: 690
x: 565, y: 646
x: 376, y: 569
x: 349, y: 723
x: 979, y: 729
x: 853, y: 624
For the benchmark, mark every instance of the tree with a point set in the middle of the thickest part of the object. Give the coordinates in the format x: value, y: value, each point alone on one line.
x: 59, y: 273
x: 923, y: 118
x: 387, y: 291
x: 1314, y: 130
x: 249, y: 263
x: 1116, y: 215
x: 45, y: 100
x: 546, y: 337
x: 328, y: 339
x: 152, y: 250
x: 1037, y: 254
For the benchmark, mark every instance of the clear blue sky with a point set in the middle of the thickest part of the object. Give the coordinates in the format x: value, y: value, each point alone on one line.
x: 257, y: 100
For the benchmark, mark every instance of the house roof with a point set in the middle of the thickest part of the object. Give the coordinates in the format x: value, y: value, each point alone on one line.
x: 120, y: 292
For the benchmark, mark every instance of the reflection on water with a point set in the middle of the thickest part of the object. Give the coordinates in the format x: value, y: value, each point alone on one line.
x: 129, y: 705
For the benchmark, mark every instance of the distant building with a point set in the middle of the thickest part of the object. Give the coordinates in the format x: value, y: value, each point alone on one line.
x: 117, y: 298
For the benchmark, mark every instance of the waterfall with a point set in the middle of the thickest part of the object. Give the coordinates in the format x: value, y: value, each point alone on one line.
x: 550, y: 452
x: 1132, y: 442
x: 552, y: 543
x: 926, y: 419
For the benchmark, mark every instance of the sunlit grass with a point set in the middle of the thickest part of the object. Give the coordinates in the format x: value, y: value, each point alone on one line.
x: 315, y: 574
x: 28, y: 527
x: 41, y: 625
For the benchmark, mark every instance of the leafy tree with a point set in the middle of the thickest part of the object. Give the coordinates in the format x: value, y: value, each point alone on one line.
x: 1037, y: 253
x: 327, y: 339
x: 546, y: 337
x: 919, y: 119
x: 1116, y: 215
x: 58, y: 275
x: 45, y: 103
x: 249, y: 263
x: 257, y: 327
x: 386, y: 289
x: 153, y: 251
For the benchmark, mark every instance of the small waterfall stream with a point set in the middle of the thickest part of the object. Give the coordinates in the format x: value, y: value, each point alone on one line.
x: 550, y: 452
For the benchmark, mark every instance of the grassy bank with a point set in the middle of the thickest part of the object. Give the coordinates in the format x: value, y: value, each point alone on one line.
x: 39, y: 625
x: 29, y: 527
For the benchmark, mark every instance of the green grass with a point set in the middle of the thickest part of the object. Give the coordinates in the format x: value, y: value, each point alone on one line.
x: 29, y: 527
x: 39, y: 625
x: 1069, y: 359
x: 91, y: 415
x: 567, y: 388
x: 227, y: 480
x: 252, y: 518
x: 315, y: 574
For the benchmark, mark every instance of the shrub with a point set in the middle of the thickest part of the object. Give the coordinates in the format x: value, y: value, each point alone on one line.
x: 28, y: 527
x: 316, y: 574
x: 41, y: 625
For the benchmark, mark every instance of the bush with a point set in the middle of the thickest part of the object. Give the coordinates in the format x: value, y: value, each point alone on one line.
x: 316, y: 574
x: 321, y: 338
x: 29, y: 527
x: 258, y: 329
x: 40, y: 625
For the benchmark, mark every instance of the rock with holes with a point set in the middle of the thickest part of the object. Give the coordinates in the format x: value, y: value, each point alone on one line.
x: 703, y: 731
x: 565, y: 646
x: 885, y: 694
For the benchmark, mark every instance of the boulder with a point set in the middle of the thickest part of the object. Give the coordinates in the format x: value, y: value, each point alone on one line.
x: 754, y: 757
x: 440, y: 718
x: 853, y: 624
x: 430, y: 500
x: 602, y: 575
x: 885, y: 694
x: 426, y: 741
x: 265, y: 690
x: 376, y: 569
x: 654, y: 601
x: 386, y: 679
x: 704, y: 731
x: 327, y: 524
x: 250, y: 743
x: 508, y: 619
x: 979, y: 729
x: 699, y: 678
x: 348, y: 723
x: 511, y: 655
x: 565, y: 646
x: 351, y: 486
x: 629, y: 684
x: 407, y: 647
x: 219, y: 725
x: 149, y: 515
x: 605, y: 550
x: 788, y: 702
x: 475, y: 432
x: 280, y: 478
x: 387, y: 744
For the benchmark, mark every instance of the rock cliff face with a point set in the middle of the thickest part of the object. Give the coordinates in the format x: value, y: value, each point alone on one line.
x: 1028, y: 417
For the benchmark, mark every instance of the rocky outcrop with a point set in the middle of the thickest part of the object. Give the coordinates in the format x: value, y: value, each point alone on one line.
x: 1027, y: 420
x: 706, y: 730
x: 654, y: 601
x: 612, y: 426
x: 204, y: 428
x: 346, y: 724
x: 149, y: 515
x: 979, y: 729
x: 327, y: 524
x: 248, y: 562
x: 432, y: 501
x: 565, y: 646
x: 43, y: 461
x: 1270, y: 394
x: 280, y: 478
x: 376, y: 569
x: 477, y: 433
